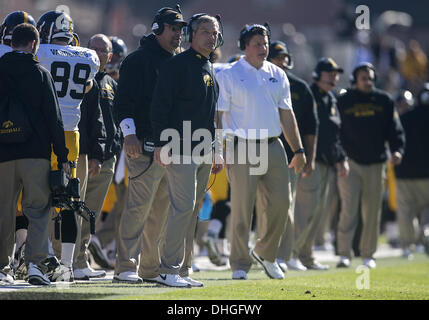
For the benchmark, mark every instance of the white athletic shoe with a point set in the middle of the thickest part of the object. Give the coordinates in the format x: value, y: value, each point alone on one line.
x: 87, y: 273
x: 295, y: 264
x: 6, y: 278
x: 344, y: 262
x: 62, y: 274
x: 127, y: 277
x: 239, y: 275
x: 192, y: 282
x: 35, y: 276
x: 407, y: 254
x: 173, y: 280
x: 272, y: 269
x: 282, y: 264
x: 370, y: 263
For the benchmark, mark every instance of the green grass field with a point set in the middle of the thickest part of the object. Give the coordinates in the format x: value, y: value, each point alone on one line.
x: 394, y: 279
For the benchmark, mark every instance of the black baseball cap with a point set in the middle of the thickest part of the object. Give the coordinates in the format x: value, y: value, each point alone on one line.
x: 277, y: 48
x: 172, y: 17
x: 328, y: 65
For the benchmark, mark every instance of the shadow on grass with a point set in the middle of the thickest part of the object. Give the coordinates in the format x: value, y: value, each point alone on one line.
x: 50, y: 296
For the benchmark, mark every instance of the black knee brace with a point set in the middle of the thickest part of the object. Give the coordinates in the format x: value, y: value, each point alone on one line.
x: 21, y: 223
x: 68, y: 226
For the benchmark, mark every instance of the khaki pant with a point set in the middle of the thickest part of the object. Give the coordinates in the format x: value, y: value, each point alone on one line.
x: 288, y: 238
x: 363, y: 186
x: 413, y: 200
x: 271, y: 193
x: 154, y: 232
x: 141, y: 193
x: 107, y: 231
x: 331, y: 210
x: 31, y: 176
x: 311, y: 194
x: 96, y: 191
x: 185, y: 183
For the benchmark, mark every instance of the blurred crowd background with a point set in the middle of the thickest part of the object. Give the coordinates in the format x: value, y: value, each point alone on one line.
x: 397, y: 42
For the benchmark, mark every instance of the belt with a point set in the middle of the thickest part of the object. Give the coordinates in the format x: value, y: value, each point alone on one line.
x: 270, y: 140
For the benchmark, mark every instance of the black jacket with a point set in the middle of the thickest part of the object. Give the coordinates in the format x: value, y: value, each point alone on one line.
x: 305, y: 110
x: 108, y: 87
x: 40, y: 98
x: 138, y: 74
x: 92, y: 135
x: 329, y: 147
x: 415, y: 163
x: 368, y: 122
x: 186, y: 90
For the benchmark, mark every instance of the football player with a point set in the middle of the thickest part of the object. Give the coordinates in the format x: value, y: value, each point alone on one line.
x: 9, y: 23
x: 73, y: 69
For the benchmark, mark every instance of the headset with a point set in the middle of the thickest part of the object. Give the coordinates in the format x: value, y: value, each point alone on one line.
x: 363, y: 65
x: 242, y: 45
x: 187, y: 30
x: 158, y: 24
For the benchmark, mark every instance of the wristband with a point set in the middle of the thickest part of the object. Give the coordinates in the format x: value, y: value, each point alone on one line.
x: 301, y: 150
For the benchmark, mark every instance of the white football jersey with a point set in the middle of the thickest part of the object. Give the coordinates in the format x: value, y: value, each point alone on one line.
x: 71, y: 68
x: 4, y: 49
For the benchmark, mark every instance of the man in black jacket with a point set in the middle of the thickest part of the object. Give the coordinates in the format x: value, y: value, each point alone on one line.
x: 305, y: 110
x: 312, y: 191
x: 92, y: 140
x: 369, y: 121
x: 184, y: 102
x: 26, y: 165
x: 147, y: 188
x: 413, y: 174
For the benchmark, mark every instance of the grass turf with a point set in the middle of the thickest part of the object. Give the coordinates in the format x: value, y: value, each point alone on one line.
x: 394, y: 279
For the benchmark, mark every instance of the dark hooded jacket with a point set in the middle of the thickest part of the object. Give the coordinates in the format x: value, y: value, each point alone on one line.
x: 37, y: 91
x: 138, y: 76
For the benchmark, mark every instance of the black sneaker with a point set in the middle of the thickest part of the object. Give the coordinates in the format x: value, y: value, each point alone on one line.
x: 49, y: 265
x: 98, y: 253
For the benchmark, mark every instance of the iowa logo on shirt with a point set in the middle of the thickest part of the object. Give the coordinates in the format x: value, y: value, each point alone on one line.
x: 208, y: 80
x: 108, y: 88
x: 7, y: 124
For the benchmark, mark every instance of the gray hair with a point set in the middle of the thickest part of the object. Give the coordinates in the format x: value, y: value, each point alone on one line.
x: 205, y: 18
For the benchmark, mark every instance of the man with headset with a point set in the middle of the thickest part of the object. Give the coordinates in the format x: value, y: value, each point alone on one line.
x: 147, y: 199
x: 305, y: 110
x: 255, y: 98
x: 369, y: 121
x: 312, y: 191
x: 184, y: 102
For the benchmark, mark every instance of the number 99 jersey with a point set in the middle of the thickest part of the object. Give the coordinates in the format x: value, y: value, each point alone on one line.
x: 71, y: 68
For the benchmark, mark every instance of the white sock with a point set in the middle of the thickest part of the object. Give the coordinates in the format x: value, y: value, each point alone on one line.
x: 214, y: 226
x: 67, y: 250
x: 20, y: 237
x: 51, y: 250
